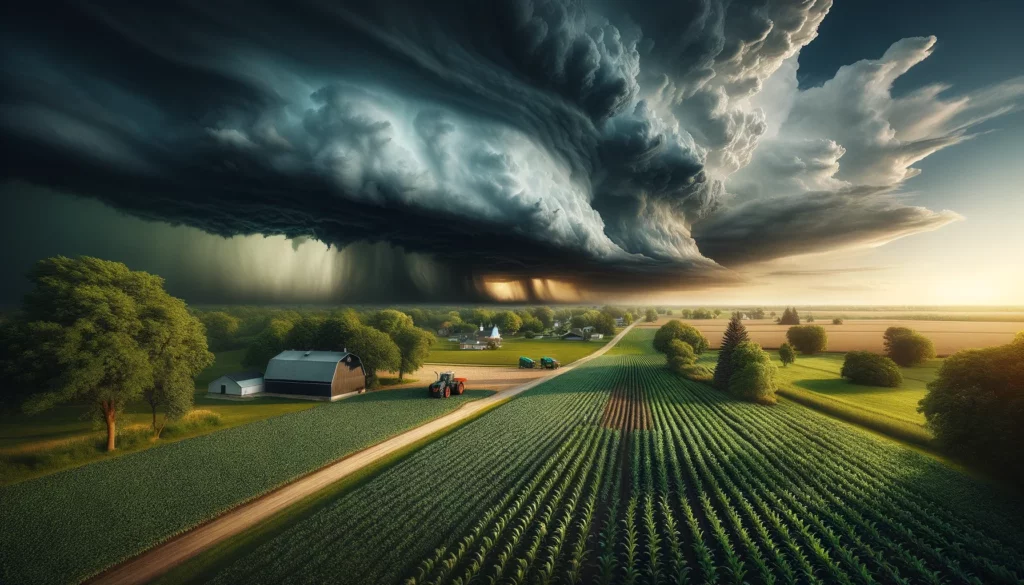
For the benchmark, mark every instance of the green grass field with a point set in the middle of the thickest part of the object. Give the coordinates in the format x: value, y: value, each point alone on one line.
x: 66, y: 526
x: 820, y: 374
x: 619, y: 471
x: 67, y: 436
x: 566, y: 352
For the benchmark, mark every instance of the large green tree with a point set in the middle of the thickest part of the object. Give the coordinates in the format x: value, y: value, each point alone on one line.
x: 107, y: 335
x: 508, y: 322
x: 676, y: 329
x: 735, y: 334
x: 414, y: 346
x: 377, y: 352
x: 178, y: 353
x: 754, y: 376
x: 975, y: 407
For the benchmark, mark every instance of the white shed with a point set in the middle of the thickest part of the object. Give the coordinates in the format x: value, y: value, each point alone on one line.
x: 237, y: 384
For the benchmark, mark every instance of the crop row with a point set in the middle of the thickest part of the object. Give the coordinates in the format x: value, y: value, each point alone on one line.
x: 63, y: 527
x: 714, y: 491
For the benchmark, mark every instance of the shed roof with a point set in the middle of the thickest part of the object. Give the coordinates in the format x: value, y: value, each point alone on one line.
x: 304, y: 366
x: 248, y: 378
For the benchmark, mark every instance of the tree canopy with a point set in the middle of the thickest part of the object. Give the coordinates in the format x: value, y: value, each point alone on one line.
x: 105, y: 335
x: 390, y: 321
x: 676, y: 329
x: 975, y: 406
x: 907, y: 347
x: 786, y: 354
x: 753, y: 376
x: 789, y: 317
x: 808, y: 339
x: 413, y: 347
x: 221, y: 329
x: 735, y: 334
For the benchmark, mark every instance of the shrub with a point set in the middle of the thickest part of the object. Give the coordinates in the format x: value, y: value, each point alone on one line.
x: 837, y: 321
x: 909, y: 348
x: 975, y: 406
x: 871, y: 369
x: 678, y: 348
x: 529, y: 335
x: 808, y: 339
x: 786, y: 354
x: 676, y: 329
x: 682, y: 361
x: 891, y: 334
x: 754, y: 375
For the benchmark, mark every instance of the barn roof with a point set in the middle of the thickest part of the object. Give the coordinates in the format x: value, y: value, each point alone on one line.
x: 304, y: 366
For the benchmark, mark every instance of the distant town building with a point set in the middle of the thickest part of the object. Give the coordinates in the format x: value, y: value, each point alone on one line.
x: 317, y: 375
x: 237, y: 384
x: 575, y: 335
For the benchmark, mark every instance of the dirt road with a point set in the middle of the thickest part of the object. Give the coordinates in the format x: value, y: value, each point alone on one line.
x: 162, y: 558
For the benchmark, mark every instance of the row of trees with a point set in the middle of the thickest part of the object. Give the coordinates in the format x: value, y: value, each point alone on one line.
x: 388, y: 341
x: 93, y: 331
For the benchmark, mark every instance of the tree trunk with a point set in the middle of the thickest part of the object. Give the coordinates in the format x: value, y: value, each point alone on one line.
x: 153, y: 406
x: 110, y: 417
x: 401, y: 374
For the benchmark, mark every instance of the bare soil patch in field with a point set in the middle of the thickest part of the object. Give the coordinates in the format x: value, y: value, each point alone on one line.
x: 626, y: 410
x: 866, y: 334
x: 495, y: 378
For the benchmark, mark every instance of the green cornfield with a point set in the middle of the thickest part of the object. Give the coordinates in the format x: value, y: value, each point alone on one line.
x: 620, y: 472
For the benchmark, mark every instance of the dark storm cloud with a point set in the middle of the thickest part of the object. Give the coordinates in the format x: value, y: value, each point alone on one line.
x: 765, y: 229
x: 556, y: 139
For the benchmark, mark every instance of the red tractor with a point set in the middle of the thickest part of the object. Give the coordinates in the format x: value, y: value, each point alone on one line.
x: 446, y: 385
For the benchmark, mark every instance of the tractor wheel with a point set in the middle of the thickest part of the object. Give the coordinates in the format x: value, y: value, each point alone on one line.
x: 447, y: 392
x: 462, y: 388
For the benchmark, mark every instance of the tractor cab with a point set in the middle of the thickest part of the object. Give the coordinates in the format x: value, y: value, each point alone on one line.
x: 446, y: 385
x: 527, y: 363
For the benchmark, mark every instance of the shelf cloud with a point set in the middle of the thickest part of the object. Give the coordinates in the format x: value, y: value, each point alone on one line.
x: 611, y: 145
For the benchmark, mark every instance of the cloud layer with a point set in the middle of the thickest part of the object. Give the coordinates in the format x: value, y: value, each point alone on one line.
x: 611, y: 145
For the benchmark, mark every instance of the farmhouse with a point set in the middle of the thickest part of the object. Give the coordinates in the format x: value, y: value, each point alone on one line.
x: 483, y: 339
x: 317, y: 375
x: 237, y: 384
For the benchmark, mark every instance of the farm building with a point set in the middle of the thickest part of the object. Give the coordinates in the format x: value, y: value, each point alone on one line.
x: 483, y: 339
x: 237, y: 384
x: 575, y: 335
x: 319, y: 375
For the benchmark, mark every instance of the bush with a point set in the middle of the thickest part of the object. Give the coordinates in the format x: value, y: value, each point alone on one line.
x: 529, y: 335
x: 786, y: 354
x: 871, y: 369
x: 837, y: 321
x: 808, y: 339
x: 975, y: 407
x: 754, y: 376
x: 909, y: 348
x: 682, y: 360
x: 677, y: 330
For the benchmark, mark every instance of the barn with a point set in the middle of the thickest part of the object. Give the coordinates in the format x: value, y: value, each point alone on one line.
x: 318, y: 375
x: 237, y: 384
